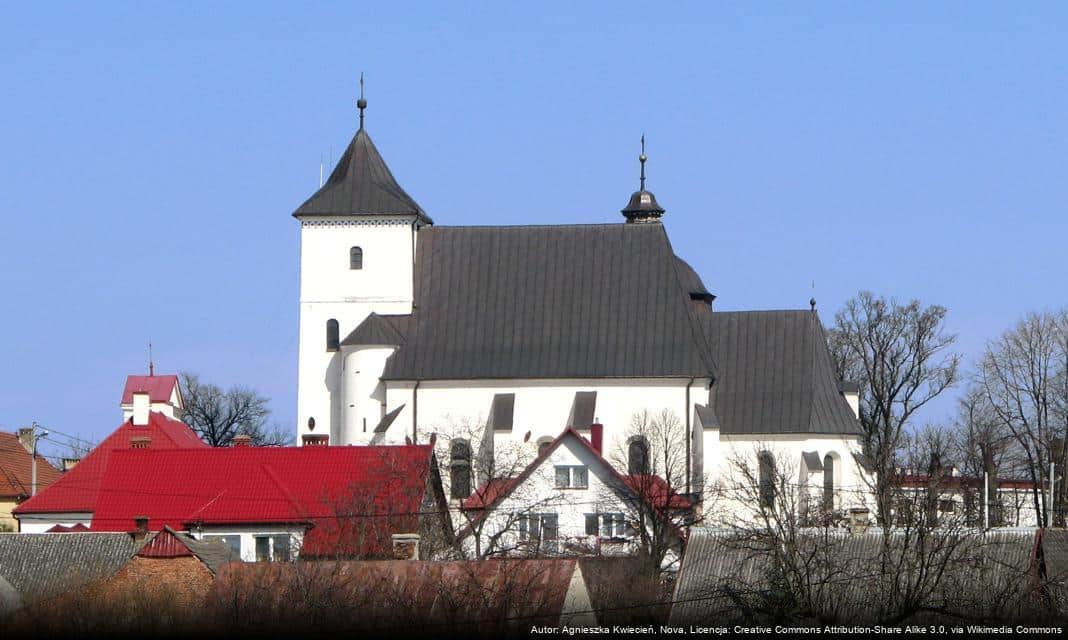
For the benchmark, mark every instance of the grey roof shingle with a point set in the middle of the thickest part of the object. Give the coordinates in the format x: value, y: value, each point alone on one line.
x: 42, y: 565
x: 775, y: 374
x: 376, y: 330
x: 361, y: 184
x: 576, y: 301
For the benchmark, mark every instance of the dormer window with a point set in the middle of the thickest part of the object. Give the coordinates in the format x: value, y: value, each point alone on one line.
x: 355, y: 258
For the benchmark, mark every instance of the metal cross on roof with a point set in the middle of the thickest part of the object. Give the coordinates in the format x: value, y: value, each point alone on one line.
x: 361, y: 104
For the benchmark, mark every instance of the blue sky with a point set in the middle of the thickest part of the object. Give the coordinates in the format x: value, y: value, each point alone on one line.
x: 152, y: 156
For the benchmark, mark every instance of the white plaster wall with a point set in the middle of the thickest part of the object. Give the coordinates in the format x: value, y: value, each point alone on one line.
x: 852, y: 483
x: 538, y: 494
x: 248, y: 534
x: 329, y: 289
x: 42, y: 522
x: 361, y: 407
x: 541, y: 406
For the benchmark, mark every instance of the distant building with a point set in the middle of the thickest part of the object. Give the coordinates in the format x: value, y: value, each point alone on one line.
x: 16, y: 475
x: 149, y: 424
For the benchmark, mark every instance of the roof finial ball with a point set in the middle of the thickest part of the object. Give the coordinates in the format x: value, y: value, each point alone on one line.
x: 642, y: 206
x: 812, y: 303
x: 361, y: 104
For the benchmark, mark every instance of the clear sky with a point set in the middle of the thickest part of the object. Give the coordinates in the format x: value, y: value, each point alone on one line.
x: 152, y: 155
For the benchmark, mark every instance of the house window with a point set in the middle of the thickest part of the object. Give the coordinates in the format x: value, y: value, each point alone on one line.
x: 355, y: 258
x: 592, y: 526
x: 332, y: 335
x: 828, y: 482
x: 766, y: 463
x: 572, y: 477
x: 638, y: 456
x: 946, y: 506
x: 540, y: 528
x: 276, y: 548
x: 233, y: 541
x: 613, y: 525
x: 460, y: 469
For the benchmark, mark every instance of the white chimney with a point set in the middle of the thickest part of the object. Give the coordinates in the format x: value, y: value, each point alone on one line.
x: 406, y: 546
x: 141, y: 407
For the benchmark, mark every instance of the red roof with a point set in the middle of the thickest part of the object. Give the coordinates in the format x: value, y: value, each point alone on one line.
x: 76, y: 491
x: 75, y: 528
x: 657, y: 491
x: 15, y: 469
x: 165, y: 545
x: 159, y: 388
x: 354, y: 498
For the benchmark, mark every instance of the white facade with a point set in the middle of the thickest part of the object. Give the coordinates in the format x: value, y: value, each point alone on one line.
x: 331, y: 290
x: 279, y: 542
x: 41, y: 523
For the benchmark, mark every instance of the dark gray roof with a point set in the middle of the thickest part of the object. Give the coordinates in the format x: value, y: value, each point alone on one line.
x: 583, y: 410
x: 376, y: 330
x: 501, y: 411
x: 388, y: 419
x: 579, y: 301
x: 361, y: 184
x: 812, y: 460
x: 707, y: 416
x: 42, y: 565
x: 775, y: 374
x: 727, y: 574
x: 10, y: 599
x: 213, y: 553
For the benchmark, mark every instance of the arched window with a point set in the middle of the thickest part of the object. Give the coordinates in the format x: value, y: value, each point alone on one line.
x: 332, y: 338
x: 828, y: 483
x: 638, y: 456
x: 767, y: 478
x: 460, y: 469
x: 355, y: 258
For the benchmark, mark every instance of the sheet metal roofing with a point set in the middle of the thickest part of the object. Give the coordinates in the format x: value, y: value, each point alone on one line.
x: 76, y: 490
x: 375, y: 330
x: 579, y: 301
x: 159, y: 388
x: 316, y: 486
x: 776, y: 375
x: 361, y: 184
x: 16, y: 474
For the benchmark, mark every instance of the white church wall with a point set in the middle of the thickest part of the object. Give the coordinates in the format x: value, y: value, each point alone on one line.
x: 852, y: 483
x: 331, y: 290
x: 362, y: 406
x: 541, y: 406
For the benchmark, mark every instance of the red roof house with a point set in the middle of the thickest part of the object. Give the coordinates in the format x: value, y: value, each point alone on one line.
x: 72, y: 498
x: 15, y: 469
x: 348, y: 501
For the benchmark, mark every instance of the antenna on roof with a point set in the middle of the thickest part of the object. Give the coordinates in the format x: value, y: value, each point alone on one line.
x: 361, y: 104
x: 151, y: 365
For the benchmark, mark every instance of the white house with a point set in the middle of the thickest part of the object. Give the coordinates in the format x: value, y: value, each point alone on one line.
x: 497, y: 335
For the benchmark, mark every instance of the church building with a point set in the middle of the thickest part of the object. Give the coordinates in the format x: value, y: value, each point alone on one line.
x: 495, y: 337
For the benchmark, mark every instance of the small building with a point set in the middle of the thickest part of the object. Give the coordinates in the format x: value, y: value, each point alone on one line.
x: 150, y: 426
x: 959, y: 498
x: 275, y: 503
x: 569, y: 500
x: 16, y: 475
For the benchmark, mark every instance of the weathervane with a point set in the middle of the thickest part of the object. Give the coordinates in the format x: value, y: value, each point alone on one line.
x: 361, y: 104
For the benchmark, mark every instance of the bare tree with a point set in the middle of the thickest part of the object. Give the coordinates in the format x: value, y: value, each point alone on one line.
x: 218, y: 416
x: 1024, y: 376
x: 903, y: 359
x: 652, y: 458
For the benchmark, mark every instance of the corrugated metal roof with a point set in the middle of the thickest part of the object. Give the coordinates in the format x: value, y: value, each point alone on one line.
x: 159, y: 388
x: 583, y: 410
x: 361, y: 184
x: 375, y: 330
x: 42, y: 565
x: 581, y: 301
x: 775, y: 374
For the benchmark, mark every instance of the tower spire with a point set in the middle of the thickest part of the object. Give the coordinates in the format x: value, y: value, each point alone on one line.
x: 361, y: 104
x: 643, y: 206
x: 151, y: 364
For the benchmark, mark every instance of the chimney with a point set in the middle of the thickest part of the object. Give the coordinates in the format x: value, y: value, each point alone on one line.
x: 140, y: 528
x: 858, y: 520
x: 405, y: 546
x: 141, y: 407
x: 597, y: 436
x: 25, y: 435
x: 242, y: 440
x: 70, y: 463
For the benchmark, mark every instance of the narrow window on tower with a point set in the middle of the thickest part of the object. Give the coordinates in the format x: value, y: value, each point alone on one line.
x: 355, y: 258
x: 332, y: 335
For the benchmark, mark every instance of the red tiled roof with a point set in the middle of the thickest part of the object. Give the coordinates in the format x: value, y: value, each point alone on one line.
x: 159, y: 388
x: 657, y: 491
x: 15, y: 471
x: 76, y: 491
x: 75, y: 528
x: 354, y: 498
x: 488, y: 493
